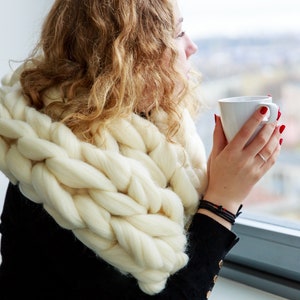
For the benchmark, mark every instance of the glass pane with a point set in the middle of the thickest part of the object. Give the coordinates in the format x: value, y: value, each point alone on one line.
x: 253, y: 48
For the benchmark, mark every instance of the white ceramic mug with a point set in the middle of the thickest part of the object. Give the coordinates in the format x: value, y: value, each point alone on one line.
x: 235, y: 111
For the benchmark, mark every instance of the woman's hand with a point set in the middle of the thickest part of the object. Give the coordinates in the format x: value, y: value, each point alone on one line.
x: 235, y: 167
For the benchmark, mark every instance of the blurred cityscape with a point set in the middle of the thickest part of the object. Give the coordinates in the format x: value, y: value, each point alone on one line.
x: 259, y: 66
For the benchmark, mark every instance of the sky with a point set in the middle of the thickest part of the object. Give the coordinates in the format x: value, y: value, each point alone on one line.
x: 240, y: 17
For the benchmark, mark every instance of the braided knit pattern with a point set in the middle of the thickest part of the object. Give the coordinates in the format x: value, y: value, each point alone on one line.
x: 128, y: 198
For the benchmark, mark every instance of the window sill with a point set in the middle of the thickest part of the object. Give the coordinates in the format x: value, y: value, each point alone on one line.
x: 227, y: 289
x: 267, y: 256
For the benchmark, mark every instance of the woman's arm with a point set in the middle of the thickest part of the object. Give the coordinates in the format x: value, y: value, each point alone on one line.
x: 209, y: 243
x: 235, y: 167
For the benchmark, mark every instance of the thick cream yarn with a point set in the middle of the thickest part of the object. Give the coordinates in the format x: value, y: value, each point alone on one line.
x: 127, y: 198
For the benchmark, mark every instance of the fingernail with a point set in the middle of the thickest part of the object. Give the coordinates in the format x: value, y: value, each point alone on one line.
x: 280, y: 142
x: 264, y: 110
x: 281, y: 128
x: 215, y: 118
x: 279, y: 115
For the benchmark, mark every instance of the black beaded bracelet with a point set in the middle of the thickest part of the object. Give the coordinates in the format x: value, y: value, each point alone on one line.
x: 220, y: 211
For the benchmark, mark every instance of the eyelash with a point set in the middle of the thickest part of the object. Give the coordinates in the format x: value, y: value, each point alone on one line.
x: 181, y: 34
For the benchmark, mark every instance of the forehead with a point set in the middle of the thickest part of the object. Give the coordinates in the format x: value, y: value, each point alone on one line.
x: 177, y: 13
x: 176, y: 10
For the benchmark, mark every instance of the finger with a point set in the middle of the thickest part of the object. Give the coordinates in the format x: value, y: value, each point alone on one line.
x: 249, y: 128
x: 266, y: 137
x: 267, y: 151
x: 219, y: 139
x: 272, y: 159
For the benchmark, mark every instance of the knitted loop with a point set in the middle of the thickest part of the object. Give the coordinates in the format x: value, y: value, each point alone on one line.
x: 42, y: 150
x: 127, y: 197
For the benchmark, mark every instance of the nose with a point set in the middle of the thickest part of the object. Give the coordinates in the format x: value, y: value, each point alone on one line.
x: 191, y: 47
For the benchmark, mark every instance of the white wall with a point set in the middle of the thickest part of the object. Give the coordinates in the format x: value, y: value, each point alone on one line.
x: 3, y: 185
x: 20, y: 22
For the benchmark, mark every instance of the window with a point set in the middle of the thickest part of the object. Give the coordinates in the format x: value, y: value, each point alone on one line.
x: 253, y: 48
x: 267, y: 256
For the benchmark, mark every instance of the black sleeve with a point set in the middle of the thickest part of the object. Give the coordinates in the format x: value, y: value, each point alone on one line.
x: 209, y: 242
x: 41, y: 258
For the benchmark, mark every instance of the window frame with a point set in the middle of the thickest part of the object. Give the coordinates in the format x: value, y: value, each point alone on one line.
x: 267, y: 256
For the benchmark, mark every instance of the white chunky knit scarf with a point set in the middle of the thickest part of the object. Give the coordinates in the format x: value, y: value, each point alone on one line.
x: 128, y: 198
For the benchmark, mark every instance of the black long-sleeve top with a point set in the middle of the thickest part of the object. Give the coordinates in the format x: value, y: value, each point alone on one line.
x: 41, y: 260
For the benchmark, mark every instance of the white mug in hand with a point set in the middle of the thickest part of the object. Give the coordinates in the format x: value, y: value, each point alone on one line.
x: 235, y: 111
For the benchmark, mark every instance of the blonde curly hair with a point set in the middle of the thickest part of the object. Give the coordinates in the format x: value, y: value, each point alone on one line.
x: 107, y: 59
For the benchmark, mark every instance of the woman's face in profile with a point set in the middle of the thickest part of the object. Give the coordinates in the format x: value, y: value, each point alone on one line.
x: 185, y: 46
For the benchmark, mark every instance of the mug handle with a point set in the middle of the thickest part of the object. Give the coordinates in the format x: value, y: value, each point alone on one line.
x: 273, y: 112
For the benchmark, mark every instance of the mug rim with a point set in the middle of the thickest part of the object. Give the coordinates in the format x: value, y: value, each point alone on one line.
x: 246, y: 98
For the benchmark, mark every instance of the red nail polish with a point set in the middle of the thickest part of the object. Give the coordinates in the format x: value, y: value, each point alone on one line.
x: 279, y: 115
x: 281, y: 128
x: 264, y: 110
x: 280, y: 142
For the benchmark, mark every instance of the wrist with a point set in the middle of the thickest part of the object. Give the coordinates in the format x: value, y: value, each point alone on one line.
x: 229, y: 204
x: 219, y: 212
x: 215, y: 217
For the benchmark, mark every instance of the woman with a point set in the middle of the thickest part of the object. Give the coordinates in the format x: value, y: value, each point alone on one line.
x: 105, y: 164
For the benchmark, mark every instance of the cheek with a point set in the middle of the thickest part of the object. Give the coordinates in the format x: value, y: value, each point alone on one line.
x: 182, y: 63
x: 182, y: 56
